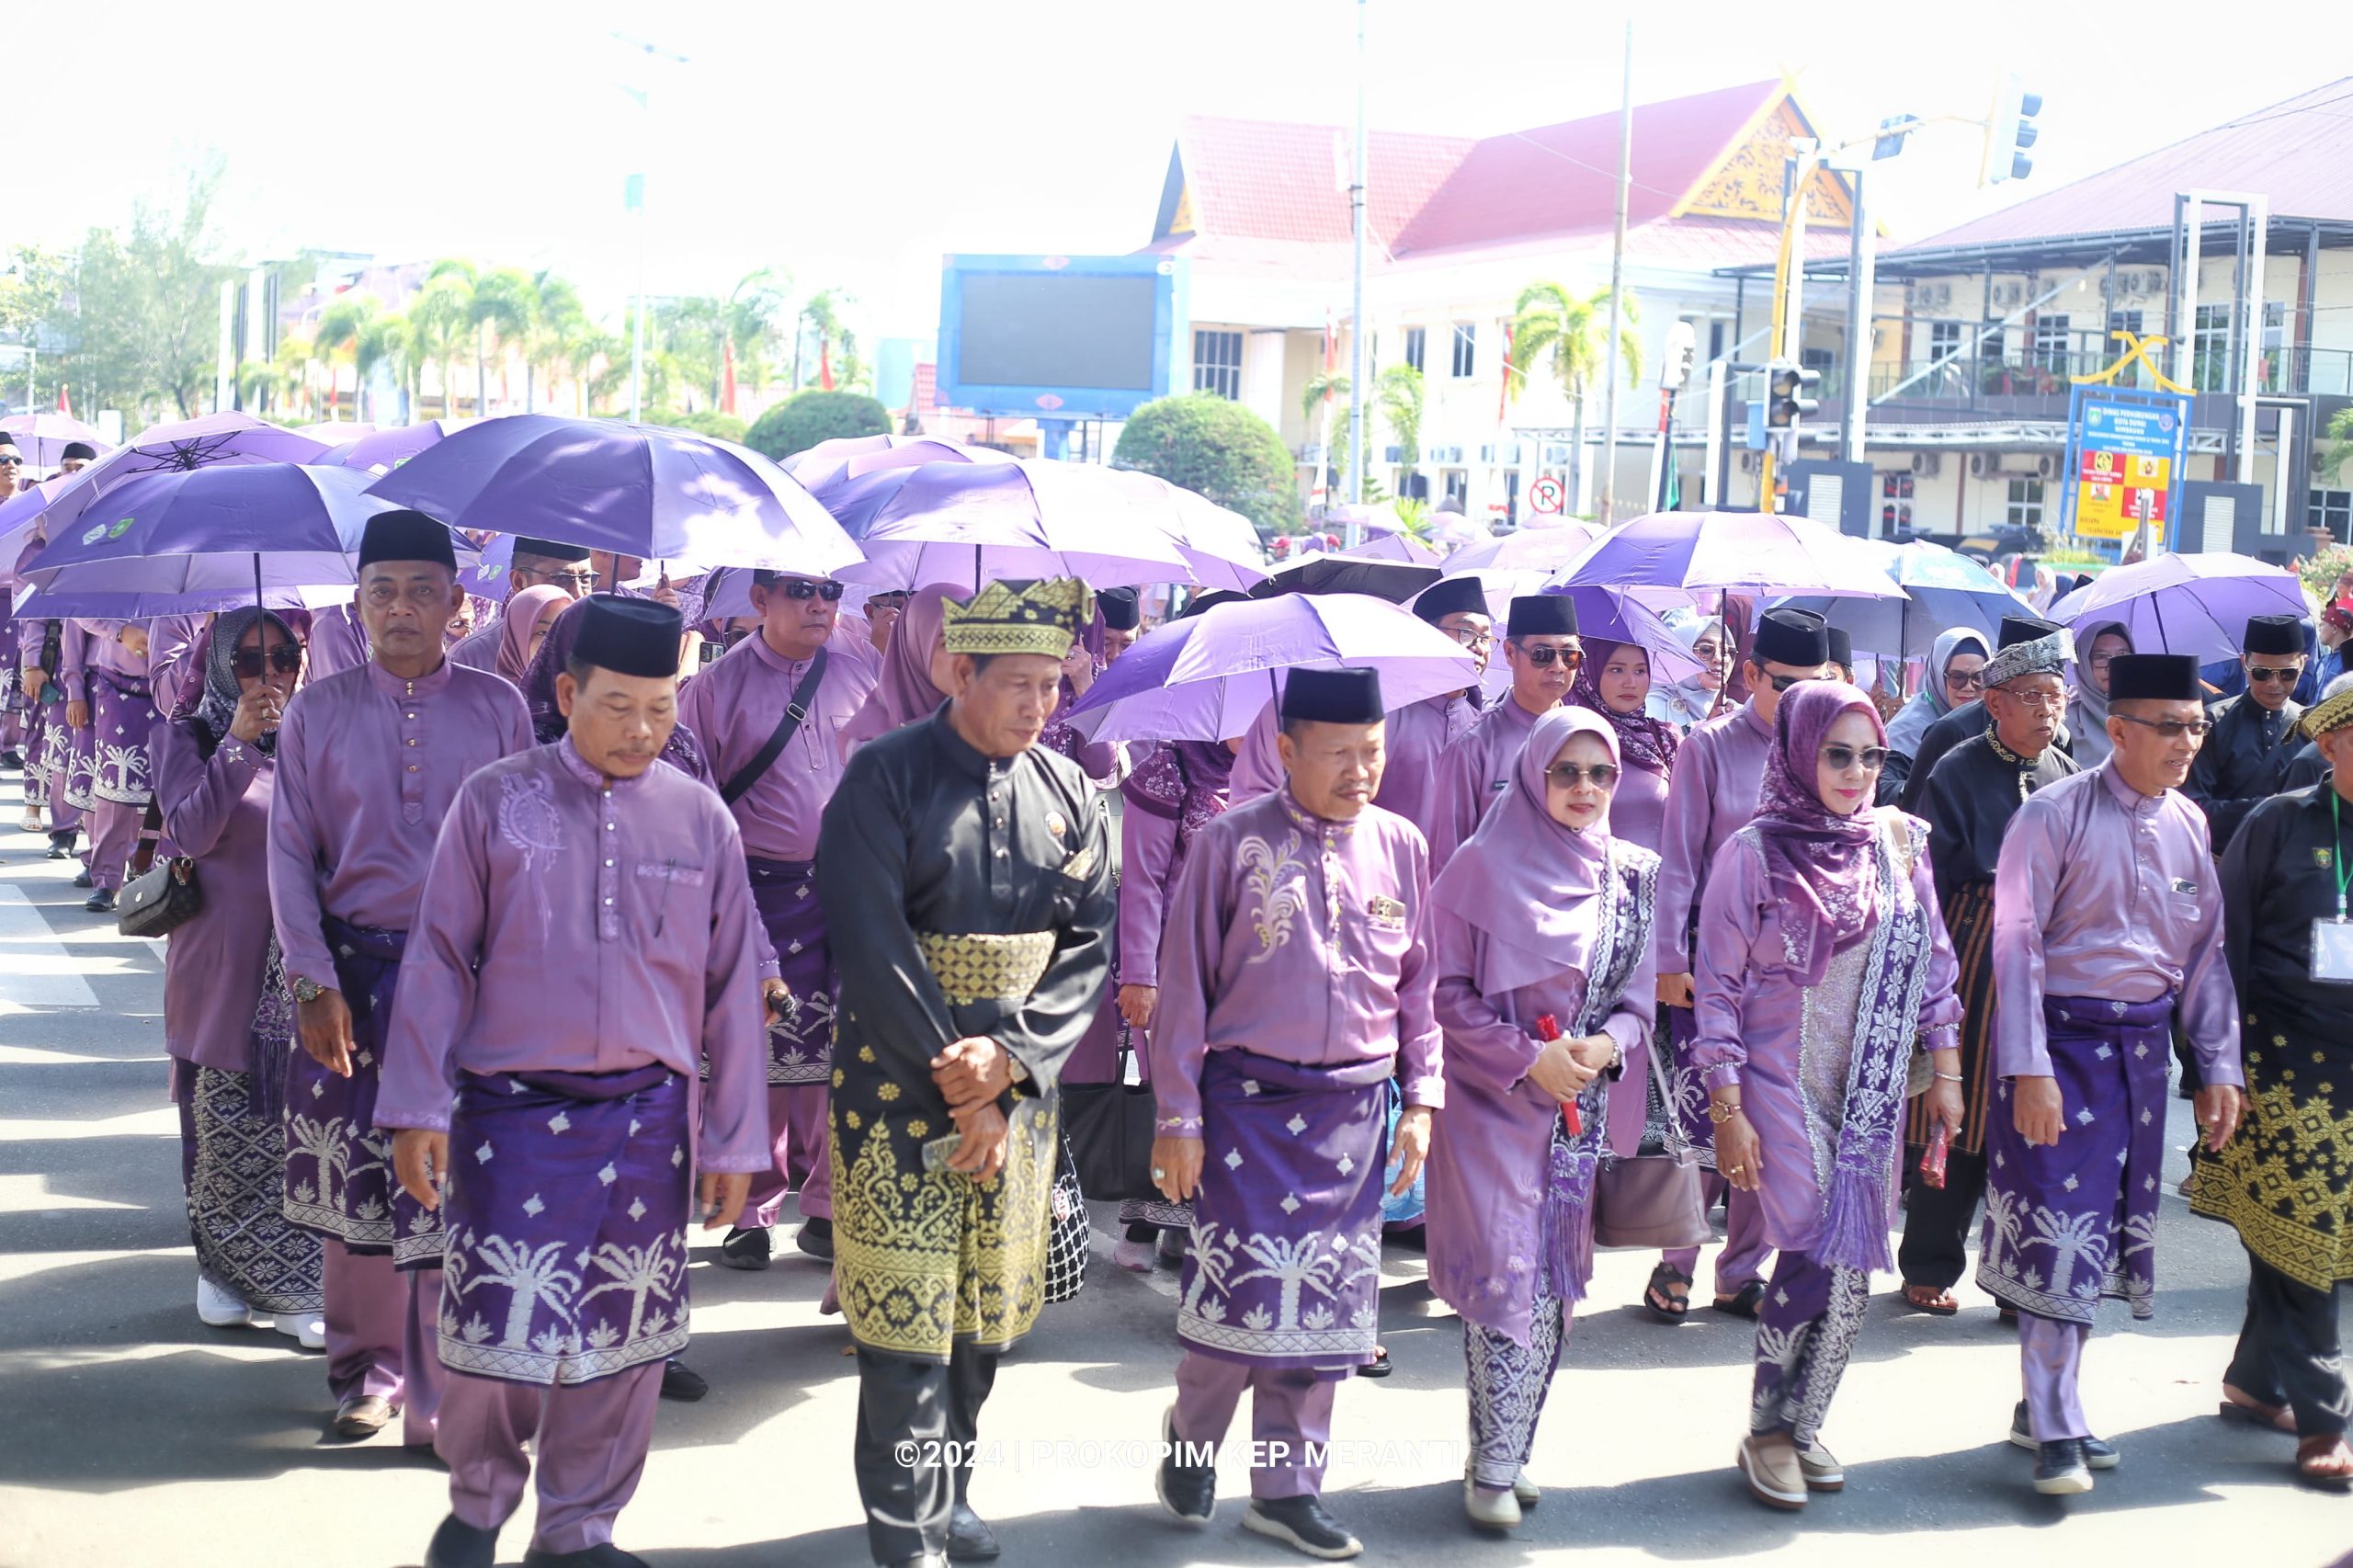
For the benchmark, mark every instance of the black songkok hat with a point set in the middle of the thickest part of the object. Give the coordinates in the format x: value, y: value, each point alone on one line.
x: 1797, y: 636
x: 2275, y: 634
x: 2017, y: 628
x: 1123, y: 611
x: 2152, y: 677
x: 81, y: 449
x: 548, y: 550
x: 630, y: 637
x: 1334, y: 697
x: 1842, y: 645
x: 1540, y: 615
x: 1451, y: 595
x: 405, y: 536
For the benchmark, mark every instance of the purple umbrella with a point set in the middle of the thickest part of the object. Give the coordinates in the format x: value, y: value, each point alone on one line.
x: 1545, y: 549
x: 380, y: 451
x: 337, y: 432
x: 1741, y: 551
x: 967, y: 523
x: 2197, y: 604
x: 1335, y: 572
x: 213, y: 441
x: 1208, y: 677
x: 846, y: 458
x: 42, y: 438
x: 640, y: 490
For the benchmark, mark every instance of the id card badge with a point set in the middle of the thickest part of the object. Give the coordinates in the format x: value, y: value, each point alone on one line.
x: 2333, y: 951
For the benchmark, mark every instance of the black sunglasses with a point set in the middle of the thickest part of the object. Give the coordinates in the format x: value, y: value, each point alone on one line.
x: 1969, y: 681
x: 2170, y: 729
x: 2283, y: 674
x: 1543, y: 655
x: 284, y: 657
x: 1783, y: 683
x: 803, y: 588
x: 11, y: 458
x: 1568, y: 775
x: 1841, y: 758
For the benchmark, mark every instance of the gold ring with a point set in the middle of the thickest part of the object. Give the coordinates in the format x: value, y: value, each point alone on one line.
x: 1734, y: 1170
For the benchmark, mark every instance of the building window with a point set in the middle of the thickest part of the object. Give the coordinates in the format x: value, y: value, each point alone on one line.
x: 1715, y: 341
x: 1466, y: 350
x: 2025, y: 508
x: 1457, y: 483
x: 2332, y: 510
x: 2123, y: 321
x: 1992, y: 343
x: 2051, y: 344
x: 1416, y: 340
x: 2211, y: 349
x: 2274, y: 368
x: 1217, y: 363
x: 1944, y: 341
x: 1895, y: 492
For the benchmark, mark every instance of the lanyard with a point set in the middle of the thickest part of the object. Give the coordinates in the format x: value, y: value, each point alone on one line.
x: 2336, y: 820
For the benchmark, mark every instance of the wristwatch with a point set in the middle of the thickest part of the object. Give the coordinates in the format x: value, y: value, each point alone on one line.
x: 306, y: 990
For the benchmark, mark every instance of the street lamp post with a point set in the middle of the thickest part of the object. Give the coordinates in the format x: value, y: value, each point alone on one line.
x: 1357, y: 387
x: 635, y: 190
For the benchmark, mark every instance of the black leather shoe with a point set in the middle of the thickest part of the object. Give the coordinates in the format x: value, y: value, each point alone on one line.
x: 10, y: 762
x: 60, y: 850
x: 746, y: 1249
x: 682, y: 1382
x: 970, y: 1539
x: 2060, y: 1469
x: 1302, y: 1523
x: 84, y: 879
x: 816, y: 1238
x: 458, y: 1544
x: 2098, y: 1452
x: 1188, y: 1491
x: 604, y: 1554
x: 100, y: 901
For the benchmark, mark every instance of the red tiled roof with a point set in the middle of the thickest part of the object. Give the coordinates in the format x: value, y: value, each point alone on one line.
x: 1271, y: 180
x: 2292, y: 152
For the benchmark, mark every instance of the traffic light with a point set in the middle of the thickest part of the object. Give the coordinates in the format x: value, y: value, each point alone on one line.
x: 2010, y: 132
x: 1792, y: 388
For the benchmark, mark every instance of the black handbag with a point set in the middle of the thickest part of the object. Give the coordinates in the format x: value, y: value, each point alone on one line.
x: 1110, y: 1130
x: 164, y: 897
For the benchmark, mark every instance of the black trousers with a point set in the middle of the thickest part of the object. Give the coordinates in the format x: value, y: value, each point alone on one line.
x: 1935, y: 1252
x: 2288, y: 1351
x: 924, y: 1413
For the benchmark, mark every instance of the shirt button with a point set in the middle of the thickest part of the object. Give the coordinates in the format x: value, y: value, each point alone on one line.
x: 608, y: 826
x: 1000, y: 854
x: 1000, y: 821
x: 412, y: 740
x: 411, y: 767
x: 608, y: 864
x: 608, y: 902
x: 409, y: 715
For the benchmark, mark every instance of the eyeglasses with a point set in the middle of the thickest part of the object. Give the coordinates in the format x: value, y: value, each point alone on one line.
x: 2169, y: 729
x: 1472, y: 637
x: 803, y: 588
x: 2281, y: 673
x: 1783, y: 683
x: 1841, y: 758
x: 1568, y: 775
x: 284, y: 657
x: 2042, y: 701
x: 10, y: 459
x: 886, y: 601
x: 1543, y: 655
x: 2100, y: 661
x: 581, y: 580
x: 1970, y: 681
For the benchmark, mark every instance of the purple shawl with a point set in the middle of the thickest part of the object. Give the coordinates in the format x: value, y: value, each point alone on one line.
x: 1642, y: 741
x: 681, y: 750
x: 1524, y: 880
x: 1819, y: 863
x: 903, y: 692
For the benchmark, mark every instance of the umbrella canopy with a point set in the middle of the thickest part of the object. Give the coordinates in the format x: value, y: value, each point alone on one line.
x: 42, y: 438
x: 229, y: 529
x: 844, y: 458
x: 380, y: 451
x: 1208, y: 677
x: 1530, y: 550
x: 1219, y: 545
x: 967, y: 523
x: 1943, y: 590
x: 640, y: 490
x: 335, y: 431
x: 1333, y: 571
x: 2197, y: 604
x: 1398, y: 547
x: 44, y: 604
x: 1372, y: 517
x: 1740, y: 552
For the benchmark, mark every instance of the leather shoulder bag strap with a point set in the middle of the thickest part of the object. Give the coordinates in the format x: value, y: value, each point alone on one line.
x: 794, y: 713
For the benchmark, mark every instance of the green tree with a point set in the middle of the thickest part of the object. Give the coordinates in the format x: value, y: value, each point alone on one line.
x: 1220, y: 449
x: 1331, y: 383
x: 344, y: 326
x: 702, y: 422
x: 439, y: 330
x: 758, y: 316
x: 1552, y: 327
x: 805, y: 418
x: 557, y: 318
x: 499, y: 304
x: 147, y: 331
x: 837, y: 346
x: 1397, y: 392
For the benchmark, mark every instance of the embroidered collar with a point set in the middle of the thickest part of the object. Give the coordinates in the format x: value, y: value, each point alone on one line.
x: 578, y: 767
x: 1308, y: 822
x: 432, y: 682
x: 1994, y: 739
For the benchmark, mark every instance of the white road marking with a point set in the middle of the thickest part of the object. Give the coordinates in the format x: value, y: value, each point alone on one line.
x: 35, y: 969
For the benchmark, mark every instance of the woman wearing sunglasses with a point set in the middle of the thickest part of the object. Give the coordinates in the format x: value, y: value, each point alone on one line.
x: 1953, y: 680
x: 227, y: 1015
x: 1823, y: 970
x: 1541, y: 913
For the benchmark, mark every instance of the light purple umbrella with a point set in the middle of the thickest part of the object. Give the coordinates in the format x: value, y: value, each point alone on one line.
x: 1745, y: 552
x: 2197, y: 604
x: 380, y: 451
x: 42, y: 438
x: 642, y: 490
x: 969, y: 523
x: 844, y: 458
x: 1208, y: 677
x: 1545, y: 549
x: 1218, y: 544
x: 337, y: 432
x: 1398, y: 546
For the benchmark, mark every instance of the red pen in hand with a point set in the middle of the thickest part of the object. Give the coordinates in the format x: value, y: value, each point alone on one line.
x: 1548, y: 1030
x: 1932, y: 1160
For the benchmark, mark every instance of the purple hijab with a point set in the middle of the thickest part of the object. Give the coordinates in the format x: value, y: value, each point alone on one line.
x: 1642, y: 741
x: 1818, y: 863
x: 1524, y: 881
x: 904, y: 692
x: 681, y: 750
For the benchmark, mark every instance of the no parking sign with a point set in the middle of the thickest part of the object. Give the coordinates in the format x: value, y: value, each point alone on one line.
x: 1548, y: 494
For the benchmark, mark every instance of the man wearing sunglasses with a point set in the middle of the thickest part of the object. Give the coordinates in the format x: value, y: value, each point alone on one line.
x: 2244, y: 761
x: 769, y: 714
x: 1971, y: 719
x: 535, y: 562
x: 1541, y: 647
x: 1420, y: 733
x: 16, y: 475
x: 1710, y: 795
x: 2108, y: 936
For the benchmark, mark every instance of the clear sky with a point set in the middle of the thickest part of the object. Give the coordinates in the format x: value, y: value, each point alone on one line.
x: 853, y: 142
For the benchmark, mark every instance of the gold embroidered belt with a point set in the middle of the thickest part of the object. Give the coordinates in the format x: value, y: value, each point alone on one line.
x: 975, y: 968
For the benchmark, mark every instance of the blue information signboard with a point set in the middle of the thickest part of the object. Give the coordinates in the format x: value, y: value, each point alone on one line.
x: 2125, y: 448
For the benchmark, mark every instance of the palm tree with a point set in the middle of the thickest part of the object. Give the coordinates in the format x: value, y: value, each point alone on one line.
x: 557, y: 315
x: 1550, y: 326
x: 757, y: 313
x: 837, y: 345
x: 342, y: 325
x: 498, y: 307
x: 386, y: 341
x: 529, y: 1275
x: 438, y: 322
x: 1397, y: 392
x: 2072, y: 1238
x: 1313, y: 405
x: 637, y: 1270
x: 261, y: 382
x: 294, y: 358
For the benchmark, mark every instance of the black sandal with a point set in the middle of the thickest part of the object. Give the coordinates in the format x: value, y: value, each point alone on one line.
x: 1664, y: 1307
x: 1747, y: 1302
x: 1379, y: 1367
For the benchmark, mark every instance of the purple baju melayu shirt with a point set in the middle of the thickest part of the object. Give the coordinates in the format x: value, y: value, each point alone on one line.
x: 1638, y: 810
x: 338, y: 642
x: 1417, y: 738
x: 573, y: 924
x: 732, y: 707
x: 1719, y: 772
x: 217, y: 813
x: 1473, y: 774
x: 478, y: 649
x: 367, y: 765
x: 2103, y: 891
x: 1147, y: 852
x: 1301, y: 940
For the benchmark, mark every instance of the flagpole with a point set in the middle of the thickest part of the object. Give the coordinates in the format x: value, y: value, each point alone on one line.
x: 1608, y: 504
x: 1357, y: 366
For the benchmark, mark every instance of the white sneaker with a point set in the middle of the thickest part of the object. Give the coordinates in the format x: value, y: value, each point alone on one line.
x: 215, y: 1308
x: 306, y: 1329
x: 1490, y: 1510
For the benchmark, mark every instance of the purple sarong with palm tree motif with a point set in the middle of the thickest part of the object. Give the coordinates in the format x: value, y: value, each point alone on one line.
x: 566, y: 1214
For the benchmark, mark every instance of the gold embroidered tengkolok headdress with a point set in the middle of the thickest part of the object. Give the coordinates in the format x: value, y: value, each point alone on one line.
x: 2331, y: 713
x: 1019, y: 617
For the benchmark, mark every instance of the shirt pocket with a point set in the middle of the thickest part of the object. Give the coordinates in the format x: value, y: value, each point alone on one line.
x: 1384, y: 927
x: 665, y: 888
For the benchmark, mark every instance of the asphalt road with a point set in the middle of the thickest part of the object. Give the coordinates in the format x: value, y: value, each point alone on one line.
x: 129, y: 1433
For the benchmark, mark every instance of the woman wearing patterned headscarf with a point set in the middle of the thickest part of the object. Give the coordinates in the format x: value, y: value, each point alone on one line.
x: 1823, y: 967
x: 227, y: 1016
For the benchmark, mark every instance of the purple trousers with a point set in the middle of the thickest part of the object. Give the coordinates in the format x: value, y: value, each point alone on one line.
x: 592, y: 1442
x: 797, y: 1123
x: 1743, y: 1260
x: 2050, y: 1359
x: 383, y: 1335
x: 114, y: 834
x: 1290, y: 1418
x: 801, y: 1052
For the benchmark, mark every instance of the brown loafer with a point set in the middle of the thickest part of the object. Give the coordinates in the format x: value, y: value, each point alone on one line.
x: 1768, y: 1462
x: 362, y: 1415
